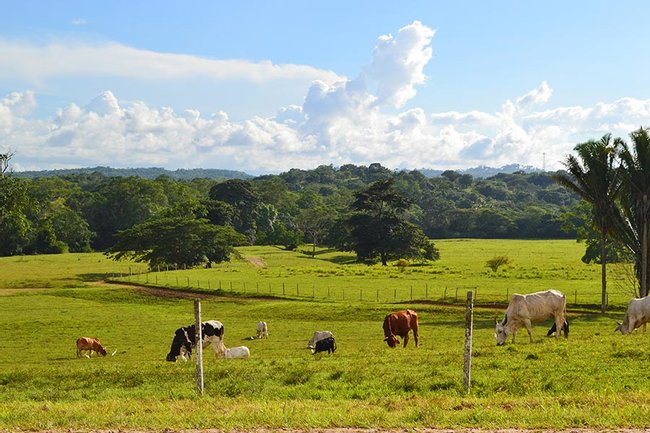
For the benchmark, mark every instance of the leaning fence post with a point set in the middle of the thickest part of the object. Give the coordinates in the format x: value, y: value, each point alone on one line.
x: 575, y: 297
x: 469, y: 323
x: 199, y: 346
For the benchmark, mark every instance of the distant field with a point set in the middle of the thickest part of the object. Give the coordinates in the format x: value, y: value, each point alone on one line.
x: 536, y: 265
x: 60, y: 270
x: 593, y: 379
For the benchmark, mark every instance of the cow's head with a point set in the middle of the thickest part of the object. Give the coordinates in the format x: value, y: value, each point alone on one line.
x: 101, y: 350
x: 621, y: 328
x: 392, y: 341
x: 500, y: 332
x: 181, y: 341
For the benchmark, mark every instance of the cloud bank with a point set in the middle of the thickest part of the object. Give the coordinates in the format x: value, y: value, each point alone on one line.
x: 40, y: 62
x: 359, y: 120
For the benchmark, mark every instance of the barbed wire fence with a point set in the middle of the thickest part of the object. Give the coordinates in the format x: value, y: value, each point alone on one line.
x: 416, y: 292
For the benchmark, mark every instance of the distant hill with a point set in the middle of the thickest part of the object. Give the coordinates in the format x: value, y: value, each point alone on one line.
x: 146, y: 173
x: 483, y: 171
x: 215, y: 173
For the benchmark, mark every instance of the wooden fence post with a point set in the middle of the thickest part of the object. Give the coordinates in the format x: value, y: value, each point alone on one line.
x: 469, y: 323
x: 199, y: 346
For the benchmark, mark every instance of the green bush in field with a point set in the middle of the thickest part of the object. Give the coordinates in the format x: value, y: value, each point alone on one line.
x: 498, y: 261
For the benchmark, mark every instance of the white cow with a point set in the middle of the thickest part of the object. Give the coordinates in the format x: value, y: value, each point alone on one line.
x: 637, y: 314
x: 236, y: 352
x: 262, y: 330
x: 535, y: 307
x: 318, y: 335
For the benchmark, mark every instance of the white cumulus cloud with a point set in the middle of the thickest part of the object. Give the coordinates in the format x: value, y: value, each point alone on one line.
x: 340, y: 121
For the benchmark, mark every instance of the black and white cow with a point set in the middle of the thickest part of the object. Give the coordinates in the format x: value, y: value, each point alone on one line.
x: 326, y: 345
x: 185, y: 339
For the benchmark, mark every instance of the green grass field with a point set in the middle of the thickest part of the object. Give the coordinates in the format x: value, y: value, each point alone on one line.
x: 593, y: 379
x: 536, y: 265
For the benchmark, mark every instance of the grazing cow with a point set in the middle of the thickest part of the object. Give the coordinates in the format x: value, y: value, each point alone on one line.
x: 89, y: 345
x: 262, y: 330
x: 235, y: 352
x: 535, y: 307
x: 400, y: 323
x: 637, y: 314
x: 318, y: 335
x: 185, y: 339
x: 326, y: 345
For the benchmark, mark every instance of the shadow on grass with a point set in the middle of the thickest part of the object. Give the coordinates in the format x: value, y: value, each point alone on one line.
x: 94, y: 277
x: 341, y: 259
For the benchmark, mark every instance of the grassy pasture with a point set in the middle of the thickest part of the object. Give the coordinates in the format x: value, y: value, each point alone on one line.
x: 594, y: 379
x: 536, y: 265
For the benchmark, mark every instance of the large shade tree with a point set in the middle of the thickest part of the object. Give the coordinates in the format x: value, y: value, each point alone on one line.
x: 379, y: 228
x: 176, y: 241
x: 592, y: 174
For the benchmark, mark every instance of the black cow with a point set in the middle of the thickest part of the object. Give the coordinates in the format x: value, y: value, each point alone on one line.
x: 327, y: 345
x: 185, y: 339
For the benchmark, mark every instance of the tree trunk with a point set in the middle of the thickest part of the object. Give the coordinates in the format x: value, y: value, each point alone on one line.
x: 384, y: 260
x: 644, y: 260
x: 603, y: 272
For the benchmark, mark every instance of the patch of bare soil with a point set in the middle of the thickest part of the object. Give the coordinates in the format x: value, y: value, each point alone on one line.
x: 257, y: 262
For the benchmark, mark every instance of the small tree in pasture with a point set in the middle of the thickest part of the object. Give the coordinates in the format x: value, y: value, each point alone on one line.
x: 498, y: 261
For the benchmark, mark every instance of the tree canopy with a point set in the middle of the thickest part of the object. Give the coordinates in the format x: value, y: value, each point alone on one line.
x: 176, y: 241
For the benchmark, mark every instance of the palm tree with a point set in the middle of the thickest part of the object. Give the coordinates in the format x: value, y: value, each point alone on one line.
x: 635, y: 202
x: 593, y: 176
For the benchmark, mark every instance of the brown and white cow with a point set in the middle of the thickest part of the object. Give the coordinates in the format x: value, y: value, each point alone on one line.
x: 637, y: 314
x: 535, y: 307
x: 90, y: 345
x: 400, y: 323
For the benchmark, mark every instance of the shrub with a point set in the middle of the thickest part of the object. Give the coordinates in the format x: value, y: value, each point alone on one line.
x: 498, y: 261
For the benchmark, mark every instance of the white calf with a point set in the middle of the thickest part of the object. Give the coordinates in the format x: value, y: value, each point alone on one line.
x: 262, y: 330
x: 236, y: 352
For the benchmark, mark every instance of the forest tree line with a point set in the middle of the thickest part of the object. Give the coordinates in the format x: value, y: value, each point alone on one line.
x: 85, y: 212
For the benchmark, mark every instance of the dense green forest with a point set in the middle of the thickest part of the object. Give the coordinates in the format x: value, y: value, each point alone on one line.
x: 82, y: 212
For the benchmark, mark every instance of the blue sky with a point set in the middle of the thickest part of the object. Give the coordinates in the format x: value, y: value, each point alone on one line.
x: 265, y: 86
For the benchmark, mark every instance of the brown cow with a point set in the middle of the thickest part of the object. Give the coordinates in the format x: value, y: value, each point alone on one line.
x: 91, y: 345
x: 400, y: 323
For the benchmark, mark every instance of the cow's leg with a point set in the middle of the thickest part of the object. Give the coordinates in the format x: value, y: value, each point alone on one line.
x: 406, y: 339
x: 415, y: 335
x: 219, y: 348
x: 529, y: 328
x: 644, y: 326
x: 559, y: 326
